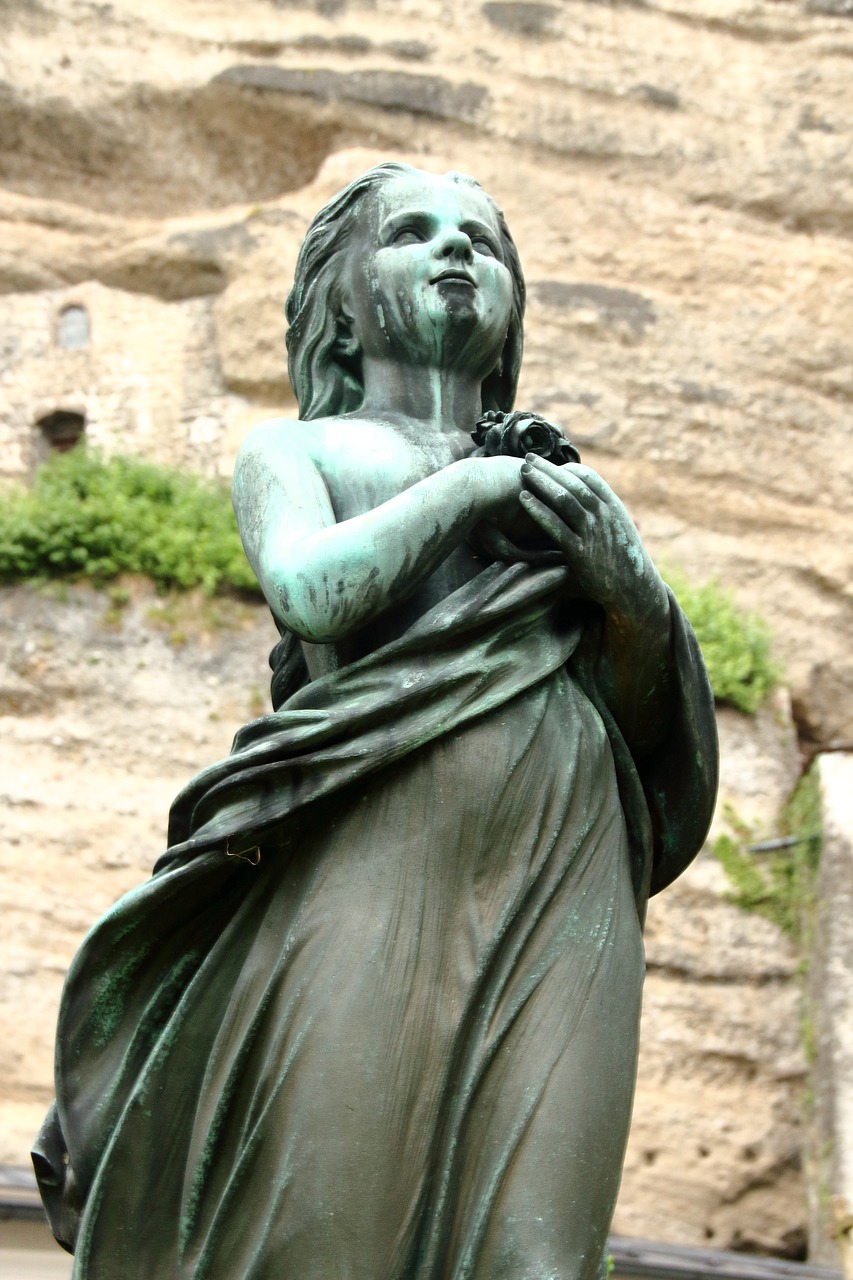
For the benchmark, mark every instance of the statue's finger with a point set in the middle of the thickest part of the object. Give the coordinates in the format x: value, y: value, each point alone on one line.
x: 557, y: 470
x: 593, y: 482
x: 541, y: 466
x: 576, y: 475
x: 566, y: 539
x: 495, y: 543
x: 567, y: 494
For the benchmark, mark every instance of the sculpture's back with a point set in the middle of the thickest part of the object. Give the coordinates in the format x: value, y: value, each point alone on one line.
x: 376, y: 1013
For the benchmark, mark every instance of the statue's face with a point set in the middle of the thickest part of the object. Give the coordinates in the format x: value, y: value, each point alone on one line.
x: 427, y: 282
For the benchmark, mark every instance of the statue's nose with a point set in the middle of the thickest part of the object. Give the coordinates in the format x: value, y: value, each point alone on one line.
x: 455, y: 244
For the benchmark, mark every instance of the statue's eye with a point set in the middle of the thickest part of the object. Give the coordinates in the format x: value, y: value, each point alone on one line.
x: 407, y: 235
x: 483, y: 244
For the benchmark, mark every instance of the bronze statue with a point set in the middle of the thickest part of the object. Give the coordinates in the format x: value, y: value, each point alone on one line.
x: 375, y: 1015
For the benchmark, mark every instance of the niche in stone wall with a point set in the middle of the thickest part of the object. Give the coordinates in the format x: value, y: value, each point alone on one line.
x: 72, y: 329
x: 59, y: 431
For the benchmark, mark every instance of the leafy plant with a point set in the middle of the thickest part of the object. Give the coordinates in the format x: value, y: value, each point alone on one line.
x: 87, y: 516
x: 735, y: 644
x: 775, y: 878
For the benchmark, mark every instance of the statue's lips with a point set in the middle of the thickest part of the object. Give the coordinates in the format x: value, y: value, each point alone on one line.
x: 454, y: 277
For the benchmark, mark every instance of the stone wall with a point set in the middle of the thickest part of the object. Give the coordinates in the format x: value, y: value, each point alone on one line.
x: 146, y: 381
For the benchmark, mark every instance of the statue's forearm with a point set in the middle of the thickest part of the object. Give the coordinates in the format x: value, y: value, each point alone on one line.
x: 334, y: 580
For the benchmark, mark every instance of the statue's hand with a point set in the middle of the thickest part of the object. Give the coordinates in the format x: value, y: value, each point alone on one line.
x: 531, y: 545
x: 597, y: 538
x: 507, y: 532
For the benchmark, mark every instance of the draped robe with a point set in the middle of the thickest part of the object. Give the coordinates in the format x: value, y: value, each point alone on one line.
x: 375, y: 1015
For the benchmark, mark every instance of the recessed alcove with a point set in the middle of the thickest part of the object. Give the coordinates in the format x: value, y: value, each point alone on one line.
x: 72, y: 328
x: 59, y: 431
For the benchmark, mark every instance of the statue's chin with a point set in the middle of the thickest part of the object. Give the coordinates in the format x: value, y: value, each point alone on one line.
x: 449, y: 333
x: 468, y: 346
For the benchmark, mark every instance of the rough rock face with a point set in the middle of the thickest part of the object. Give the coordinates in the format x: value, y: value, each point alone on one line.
x: 103, y: 719
x: 678, y: 176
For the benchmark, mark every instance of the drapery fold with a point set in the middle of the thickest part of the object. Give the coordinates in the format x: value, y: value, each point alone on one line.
x: 509, y: 648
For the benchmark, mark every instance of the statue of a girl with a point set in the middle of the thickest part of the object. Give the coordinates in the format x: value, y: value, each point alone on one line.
x: 375, y: 1016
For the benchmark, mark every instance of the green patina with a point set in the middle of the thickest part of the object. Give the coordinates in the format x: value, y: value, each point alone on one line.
x: 114, y: 989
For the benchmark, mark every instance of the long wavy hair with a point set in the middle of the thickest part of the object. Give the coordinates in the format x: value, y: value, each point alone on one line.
x: 326, y: 379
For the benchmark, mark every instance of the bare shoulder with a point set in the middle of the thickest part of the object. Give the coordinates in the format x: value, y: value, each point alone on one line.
x: 292, y: 439
x: 278, y: 489
x: 348, y: 465
x: 282, y: 456
x: 272, y: 439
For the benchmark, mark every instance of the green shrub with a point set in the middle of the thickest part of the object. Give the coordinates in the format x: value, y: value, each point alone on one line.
x: 735, y: 644
x: 89, y: 517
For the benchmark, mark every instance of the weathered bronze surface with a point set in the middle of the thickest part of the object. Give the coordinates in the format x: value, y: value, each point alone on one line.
x: 376, y: 1013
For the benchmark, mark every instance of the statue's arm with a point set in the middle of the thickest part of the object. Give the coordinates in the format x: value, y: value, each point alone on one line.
x: 324, y: 579
x: 611, y: 566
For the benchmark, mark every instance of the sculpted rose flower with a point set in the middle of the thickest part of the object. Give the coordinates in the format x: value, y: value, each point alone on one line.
x: 516, y: 434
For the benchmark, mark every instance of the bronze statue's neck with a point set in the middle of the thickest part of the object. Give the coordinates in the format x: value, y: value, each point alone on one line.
x: 443, y: 400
